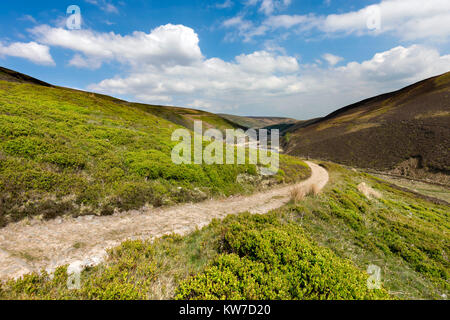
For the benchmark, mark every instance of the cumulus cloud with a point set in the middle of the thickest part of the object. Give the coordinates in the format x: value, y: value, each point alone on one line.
x: 398, y: 65
x: 265, y: 62
x: 163, y: 46
x: 253, y: 72
x: 267, y: 83
x: 32, y: 51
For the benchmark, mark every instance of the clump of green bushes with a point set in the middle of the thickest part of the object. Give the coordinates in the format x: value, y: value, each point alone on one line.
x: 265, y: 258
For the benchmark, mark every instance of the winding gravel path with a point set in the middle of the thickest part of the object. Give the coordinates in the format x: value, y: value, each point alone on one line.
x: 37, y: 245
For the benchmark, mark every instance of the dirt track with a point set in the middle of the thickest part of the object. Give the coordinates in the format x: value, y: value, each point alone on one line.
x: 36, y: 245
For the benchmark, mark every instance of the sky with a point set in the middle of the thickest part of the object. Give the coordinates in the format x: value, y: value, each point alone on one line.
x: 291, y: 58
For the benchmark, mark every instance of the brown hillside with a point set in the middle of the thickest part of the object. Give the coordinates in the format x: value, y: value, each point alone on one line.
x: 14, y: 76
x: 406, y: 132
x: 259, y: 122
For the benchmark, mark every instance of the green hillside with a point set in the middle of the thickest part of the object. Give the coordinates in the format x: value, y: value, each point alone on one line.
x: 64, y: 151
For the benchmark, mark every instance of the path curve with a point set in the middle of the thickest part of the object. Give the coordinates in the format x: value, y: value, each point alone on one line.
x: 37, y: 245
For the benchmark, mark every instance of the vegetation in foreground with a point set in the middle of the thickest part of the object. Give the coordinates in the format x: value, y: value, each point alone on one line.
x: 243, y: 257
x: 66, y: 152
x: 405, y: 235
x: 315, y: 249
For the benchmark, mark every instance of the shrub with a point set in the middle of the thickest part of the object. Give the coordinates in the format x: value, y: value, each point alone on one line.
x: 28, y: 147
x: 66, y: 159
x: 266, y: 259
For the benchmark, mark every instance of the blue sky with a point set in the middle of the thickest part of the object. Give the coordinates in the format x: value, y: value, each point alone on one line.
x: 296, y: 58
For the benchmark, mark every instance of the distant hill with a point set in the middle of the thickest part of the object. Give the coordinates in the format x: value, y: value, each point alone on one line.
x: 14, y: 76
x: 258, y: 122
x: 185, y: 117
x: 406, y: 132
x: 291, y: 126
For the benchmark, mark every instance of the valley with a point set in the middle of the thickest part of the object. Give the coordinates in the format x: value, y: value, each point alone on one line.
x: 87, y: 181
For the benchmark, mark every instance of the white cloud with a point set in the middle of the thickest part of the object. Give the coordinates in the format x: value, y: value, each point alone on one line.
x: 267, y: 83
x: 332, y: 59
x: 32, y: 51
x: 167, y: 66
x: 268, y: 7
x: 225, y: 5
x: 153, y: 99
x: 216, y: 83
x: 399, y: 64
x: 200, y: 104
x: 238, y: 22
x: 165, y: 45
x: 82, y: 62
x: 29, y: 18
x: 265, y: 62
x: 245, y: 28
x: 406, y: 19
x: 104, y: 5
x: 331, y: 88
x: 288, y: 21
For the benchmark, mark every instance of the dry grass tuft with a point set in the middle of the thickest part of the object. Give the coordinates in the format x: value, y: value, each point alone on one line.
x: 315, y: 189
x: 297, y: 194
x: 163, y: 288
x: 368, y: 192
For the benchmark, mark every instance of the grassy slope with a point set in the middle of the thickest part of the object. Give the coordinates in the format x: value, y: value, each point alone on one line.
x: 427, y: 189
x: 404, y: 235
x: 181, y: 116
x: 384, y: 131
x: 64, y: 151
x: 317, y: 249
